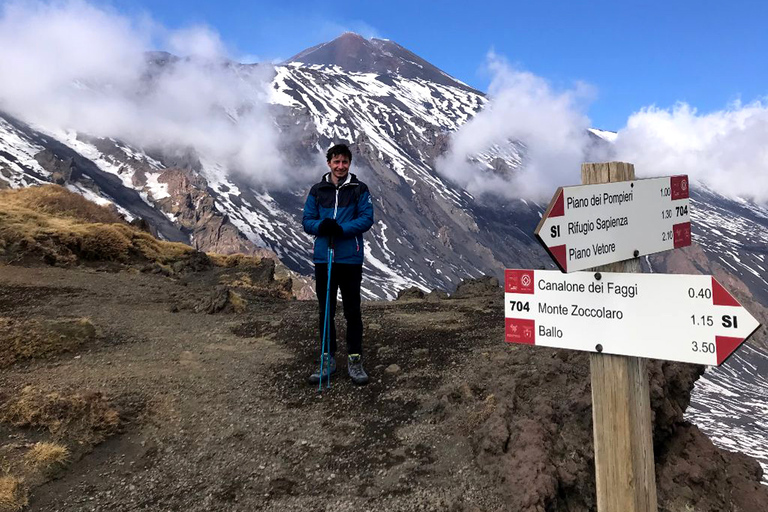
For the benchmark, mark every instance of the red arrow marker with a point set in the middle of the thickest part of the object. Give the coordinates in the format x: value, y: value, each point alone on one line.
x: 558, y: 208
x: 726, y: 346
x: 560, y: 255
x: 721, y: 297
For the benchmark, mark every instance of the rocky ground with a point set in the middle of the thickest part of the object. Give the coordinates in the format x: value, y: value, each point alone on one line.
x: 172, y: 396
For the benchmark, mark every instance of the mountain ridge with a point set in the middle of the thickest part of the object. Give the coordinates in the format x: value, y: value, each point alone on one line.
x: 352, y: 52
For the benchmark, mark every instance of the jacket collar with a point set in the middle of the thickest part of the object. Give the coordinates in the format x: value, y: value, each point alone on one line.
x: 351, y: 178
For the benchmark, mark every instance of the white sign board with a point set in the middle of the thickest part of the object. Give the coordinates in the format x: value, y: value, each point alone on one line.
x: 590, y: 225
x: 672, y: 317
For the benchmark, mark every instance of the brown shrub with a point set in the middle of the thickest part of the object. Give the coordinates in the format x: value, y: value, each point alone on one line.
x: 83, y: 417
x: 104, y: 242
x: 45, y: 456
x: 13, y: 495
x: 26, y: 339
x: 153, y: 249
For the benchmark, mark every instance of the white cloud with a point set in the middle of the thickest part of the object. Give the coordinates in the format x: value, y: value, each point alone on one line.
x: 73, y: 65
x: 522, y: 107
x: 332, y: 29
x: 726, y: 149
x: 45, y: 48
x: 198, y: 41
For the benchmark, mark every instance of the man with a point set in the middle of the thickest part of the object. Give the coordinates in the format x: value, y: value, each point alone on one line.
x: 338, y: 211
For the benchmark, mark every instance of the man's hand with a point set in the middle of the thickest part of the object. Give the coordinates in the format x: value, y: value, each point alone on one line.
x: 329, y: 227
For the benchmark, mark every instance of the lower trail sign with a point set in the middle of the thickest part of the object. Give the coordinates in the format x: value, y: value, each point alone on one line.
x: 687, y: 318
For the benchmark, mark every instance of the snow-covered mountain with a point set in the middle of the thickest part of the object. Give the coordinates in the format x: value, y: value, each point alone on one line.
x: 428, y: 233
x: 398, y: 112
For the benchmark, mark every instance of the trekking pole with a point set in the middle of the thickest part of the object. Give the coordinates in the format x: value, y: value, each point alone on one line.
x: 326, y: 324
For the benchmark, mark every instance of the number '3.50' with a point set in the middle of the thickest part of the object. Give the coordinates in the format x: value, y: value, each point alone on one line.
x: 705, y: 347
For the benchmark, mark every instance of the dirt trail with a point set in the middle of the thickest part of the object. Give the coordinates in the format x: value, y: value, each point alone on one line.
x: 228, y: 421
x: 217, y: 415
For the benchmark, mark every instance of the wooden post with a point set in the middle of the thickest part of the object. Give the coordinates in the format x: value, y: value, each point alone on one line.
x: 621, y: 405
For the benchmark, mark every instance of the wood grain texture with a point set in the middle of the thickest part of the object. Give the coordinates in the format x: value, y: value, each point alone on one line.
x: 621, y: 407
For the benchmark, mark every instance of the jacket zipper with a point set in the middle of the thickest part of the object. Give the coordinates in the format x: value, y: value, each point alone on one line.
x: 336, y: 204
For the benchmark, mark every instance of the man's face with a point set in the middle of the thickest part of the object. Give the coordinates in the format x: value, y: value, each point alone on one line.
x: 339, y: 166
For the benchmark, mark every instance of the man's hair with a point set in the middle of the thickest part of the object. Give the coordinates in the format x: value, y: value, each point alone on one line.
x: 339, y: 149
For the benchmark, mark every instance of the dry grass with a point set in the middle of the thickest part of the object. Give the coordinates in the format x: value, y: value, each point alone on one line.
x: 482, y: 411
x: 254, y: 275
x: 84, y: 417
x: 61, y: 227
x: 237, y: 301
x: 27, y: 338
x: 13, y: 494
x: 75, y: 422
x: 57, y: 201
x: 53, y: 225
x: 234, y: 260
x: 44, y: 456
x: 238, y: 280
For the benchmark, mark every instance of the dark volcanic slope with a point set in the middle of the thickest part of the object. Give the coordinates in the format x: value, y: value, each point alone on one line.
x: 353, y: 52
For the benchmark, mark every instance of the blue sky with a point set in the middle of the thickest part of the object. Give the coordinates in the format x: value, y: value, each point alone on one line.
x: 684, y: 84
x: 634, y: 54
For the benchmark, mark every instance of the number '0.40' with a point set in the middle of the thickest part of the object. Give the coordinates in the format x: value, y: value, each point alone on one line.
x: 701, y: 293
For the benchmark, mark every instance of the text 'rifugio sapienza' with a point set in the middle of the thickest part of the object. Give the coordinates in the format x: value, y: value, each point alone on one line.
x: 599, y: 224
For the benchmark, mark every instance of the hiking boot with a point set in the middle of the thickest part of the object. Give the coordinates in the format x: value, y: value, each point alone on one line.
x: 329, y: 366
x: 355, y: 369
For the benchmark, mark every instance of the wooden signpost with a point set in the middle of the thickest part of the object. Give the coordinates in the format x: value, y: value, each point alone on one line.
x: 620, y: 315
x: 625, y: 476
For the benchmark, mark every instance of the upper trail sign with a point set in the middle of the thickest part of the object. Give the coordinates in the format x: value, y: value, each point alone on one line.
x: 590, y: 225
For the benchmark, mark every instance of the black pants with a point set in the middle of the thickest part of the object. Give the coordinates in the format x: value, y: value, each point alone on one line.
x: 347, y: 278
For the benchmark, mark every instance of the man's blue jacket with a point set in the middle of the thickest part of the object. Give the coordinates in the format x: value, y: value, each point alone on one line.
x: 350, y: 204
